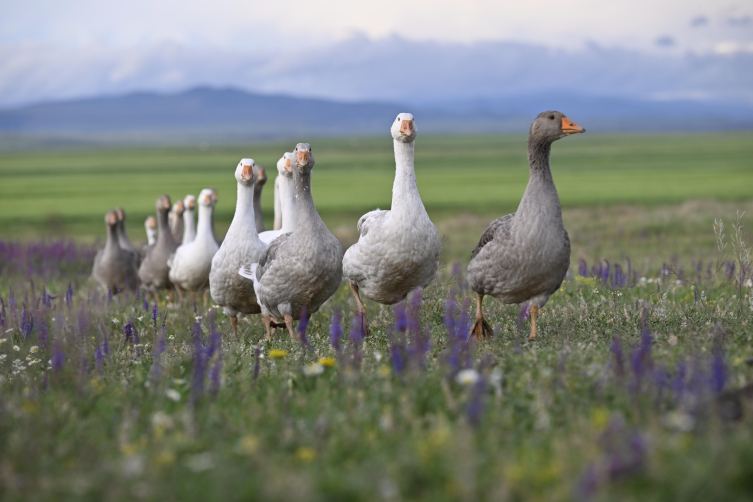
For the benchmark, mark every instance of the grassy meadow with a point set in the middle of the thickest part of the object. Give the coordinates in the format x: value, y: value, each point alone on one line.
x: 638, y: 387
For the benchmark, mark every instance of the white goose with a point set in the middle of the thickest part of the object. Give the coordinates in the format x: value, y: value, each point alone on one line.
x: 189, y: 224
x: 191, y: 263
x: 398, y: 250
x: 287, y: 200
x: 235, y: 293
x: 278, y: 206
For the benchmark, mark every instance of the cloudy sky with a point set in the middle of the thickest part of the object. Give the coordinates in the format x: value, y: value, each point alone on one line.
x: 61, y: 49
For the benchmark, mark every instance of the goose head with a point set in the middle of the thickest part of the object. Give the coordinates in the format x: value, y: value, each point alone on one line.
x: 120, y: 213
x: 262, y: 178
x: 552, y: 125
x: 303, y: 158
x: 404, y: 128
x: 163, y: 204
x: 246, y: 173
x: 190, y: 202
x: 207, y: 197
x: 150, y: 224
x: 285, y: 164
x: 111, y: 219
x: 178, y: 208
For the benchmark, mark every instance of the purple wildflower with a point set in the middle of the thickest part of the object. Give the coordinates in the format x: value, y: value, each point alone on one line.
x: 619, y: 357
x: 145, y: 304
x: 356, y: 337
x: 69, y: 295
x: 582, y: 268
x: 2, y: 312
x: 302, y: 325
x: 99, y: 357
x: 729, y: 270
x: 523, y: 313
x: 398, y: 358
x: 42, y: 334
x: 413, y: 317
x: 335, y: 330
x: 154, y: 315
x: 130, y: 335
x: 476, y: 403
x: 214, y: 377
x: 200, y: 365
x: 401, y: 320
x: 27, y: 323
x: 587, y: 483
x: 718, y: 373
x: 58, y: 357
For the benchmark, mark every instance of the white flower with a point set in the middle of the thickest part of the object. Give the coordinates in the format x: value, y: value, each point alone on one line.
x: 467, y: 377
x: 619, y: 293
x: 173, y: 394
x: 3, y: 356
x: 34, y: 349
x: 596, y: 290
x: 140, y: 318
x: 115, y: 320
x: 3, y: 340
x: 171, y: 337
x: 16, y: 348
x: 313, y: 369
x: 377, y: 356
x: 679, y: 421
x: 198, y: 318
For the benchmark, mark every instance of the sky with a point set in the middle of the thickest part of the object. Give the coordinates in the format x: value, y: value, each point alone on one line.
x: 61, y: 49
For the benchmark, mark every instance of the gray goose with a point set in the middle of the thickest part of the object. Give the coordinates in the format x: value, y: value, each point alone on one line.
x: 154, y: 270
x: 123, y: 240
x: 258, y: 186
x: 299, y: 270
x: 114, y: 268
x: 175, y: 220
x: 524, y: 256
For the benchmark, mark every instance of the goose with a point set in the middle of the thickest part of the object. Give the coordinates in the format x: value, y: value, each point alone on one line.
x: 114, y: 268
x: 150, y: 225
x: 277, y: 225
x: 175, y: 219
x: 214, y: 233
x: 191, y: 263
x: 189, y: 225
x: 398, y: 249
x: 258, y: 186
x: 287, y: 200
x: 300, y: 270
x: 235, y: 293
x: 523, y: 256
x: 154, y: 271
x: 123, y: 240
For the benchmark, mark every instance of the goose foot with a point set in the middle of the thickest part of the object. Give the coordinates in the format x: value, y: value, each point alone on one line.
x: 534, y: 315
x: 234, y: 322
x: 480, y: 329
x: 361, y: 310
x: 289, y: 323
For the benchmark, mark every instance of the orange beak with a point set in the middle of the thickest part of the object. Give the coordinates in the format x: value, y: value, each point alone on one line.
x: 303, y: 158
x: 261, y: 171
x: 166, y: 203
x: 288, y: 167
x: 406, y: 128
x: 214, y: 195
x: 208, y: 199
x: 247, y: 173
x: 191, y: 203
x: 570, y: 127
x: 152, y: 223
x: 112, y: 218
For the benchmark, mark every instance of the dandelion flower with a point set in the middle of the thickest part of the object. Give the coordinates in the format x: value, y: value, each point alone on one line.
x: 313, y: 369
x: 305, y: 454
x: 173, y: 394
x: 34, y: 349
x: 275, y: 353
x: 467, y: 377
x: 327, y: 361
x: 16, y: 348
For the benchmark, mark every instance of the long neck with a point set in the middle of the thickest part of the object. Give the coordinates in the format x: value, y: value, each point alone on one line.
x: 540, y: 198
x: 112, y: 238
x: 305, y: 210
x: 151, y: 236
x: 189, y: 226
x: 164, y: 234
x: 204, y: 227
x: 122, y: 235
x: 288, y: 206
x: 244, y: 222
x: 257, y: 206
x: 404, y: 190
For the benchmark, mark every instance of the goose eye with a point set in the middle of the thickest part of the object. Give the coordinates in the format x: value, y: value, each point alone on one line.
x: 398, y: 119
x: 551, y: 117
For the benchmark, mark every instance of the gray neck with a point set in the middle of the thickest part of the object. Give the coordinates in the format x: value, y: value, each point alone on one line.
x: 308, y: 217
x: 404, y: 189
x: 244, y: 222
x: 112, y: 244
x: 123, y: 239
x: 164, y: 235
x: 540, y: 199
x: 257, y: 207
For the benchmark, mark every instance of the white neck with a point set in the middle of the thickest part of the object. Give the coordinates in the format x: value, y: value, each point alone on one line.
x: 404, y: 190
x: 287, y: 198
x: 204, y: 228
x: 244, y: 222
x: 189, y: 227
x: 151, y: 236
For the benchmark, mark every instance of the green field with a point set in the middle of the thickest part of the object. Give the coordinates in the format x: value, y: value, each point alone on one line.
x: 67, y: 192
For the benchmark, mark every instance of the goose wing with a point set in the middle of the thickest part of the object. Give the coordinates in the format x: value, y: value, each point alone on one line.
x: 503, y: 225
x: 270, y: 254
x: 371, y: 220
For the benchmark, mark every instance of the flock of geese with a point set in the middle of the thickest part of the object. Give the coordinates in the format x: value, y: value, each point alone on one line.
x: 286, y: 274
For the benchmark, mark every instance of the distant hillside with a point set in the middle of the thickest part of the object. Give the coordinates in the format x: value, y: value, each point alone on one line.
x: 234, y: 115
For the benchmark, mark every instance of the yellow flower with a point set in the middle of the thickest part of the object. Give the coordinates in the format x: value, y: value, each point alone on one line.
x: 275, y: 353
x: 328, y: 361
x: 306, y: 454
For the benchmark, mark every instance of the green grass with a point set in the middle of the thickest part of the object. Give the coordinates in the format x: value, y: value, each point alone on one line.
x: 68, y: 192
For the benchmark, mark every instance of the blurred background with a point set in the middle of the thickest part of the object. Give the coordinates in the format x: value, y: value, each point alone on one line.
x: 113, y: 104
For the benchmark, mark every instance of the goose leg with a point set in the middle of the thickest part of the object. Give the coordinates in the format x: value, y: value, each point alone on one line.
x: 206, y: 297
x: 480, y: 328
x: 178, y: 292
x: 534, y: 315
x: 361, y: 309
x: 289, y: 323
x: 268, y: 324
x: 234, y: 322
